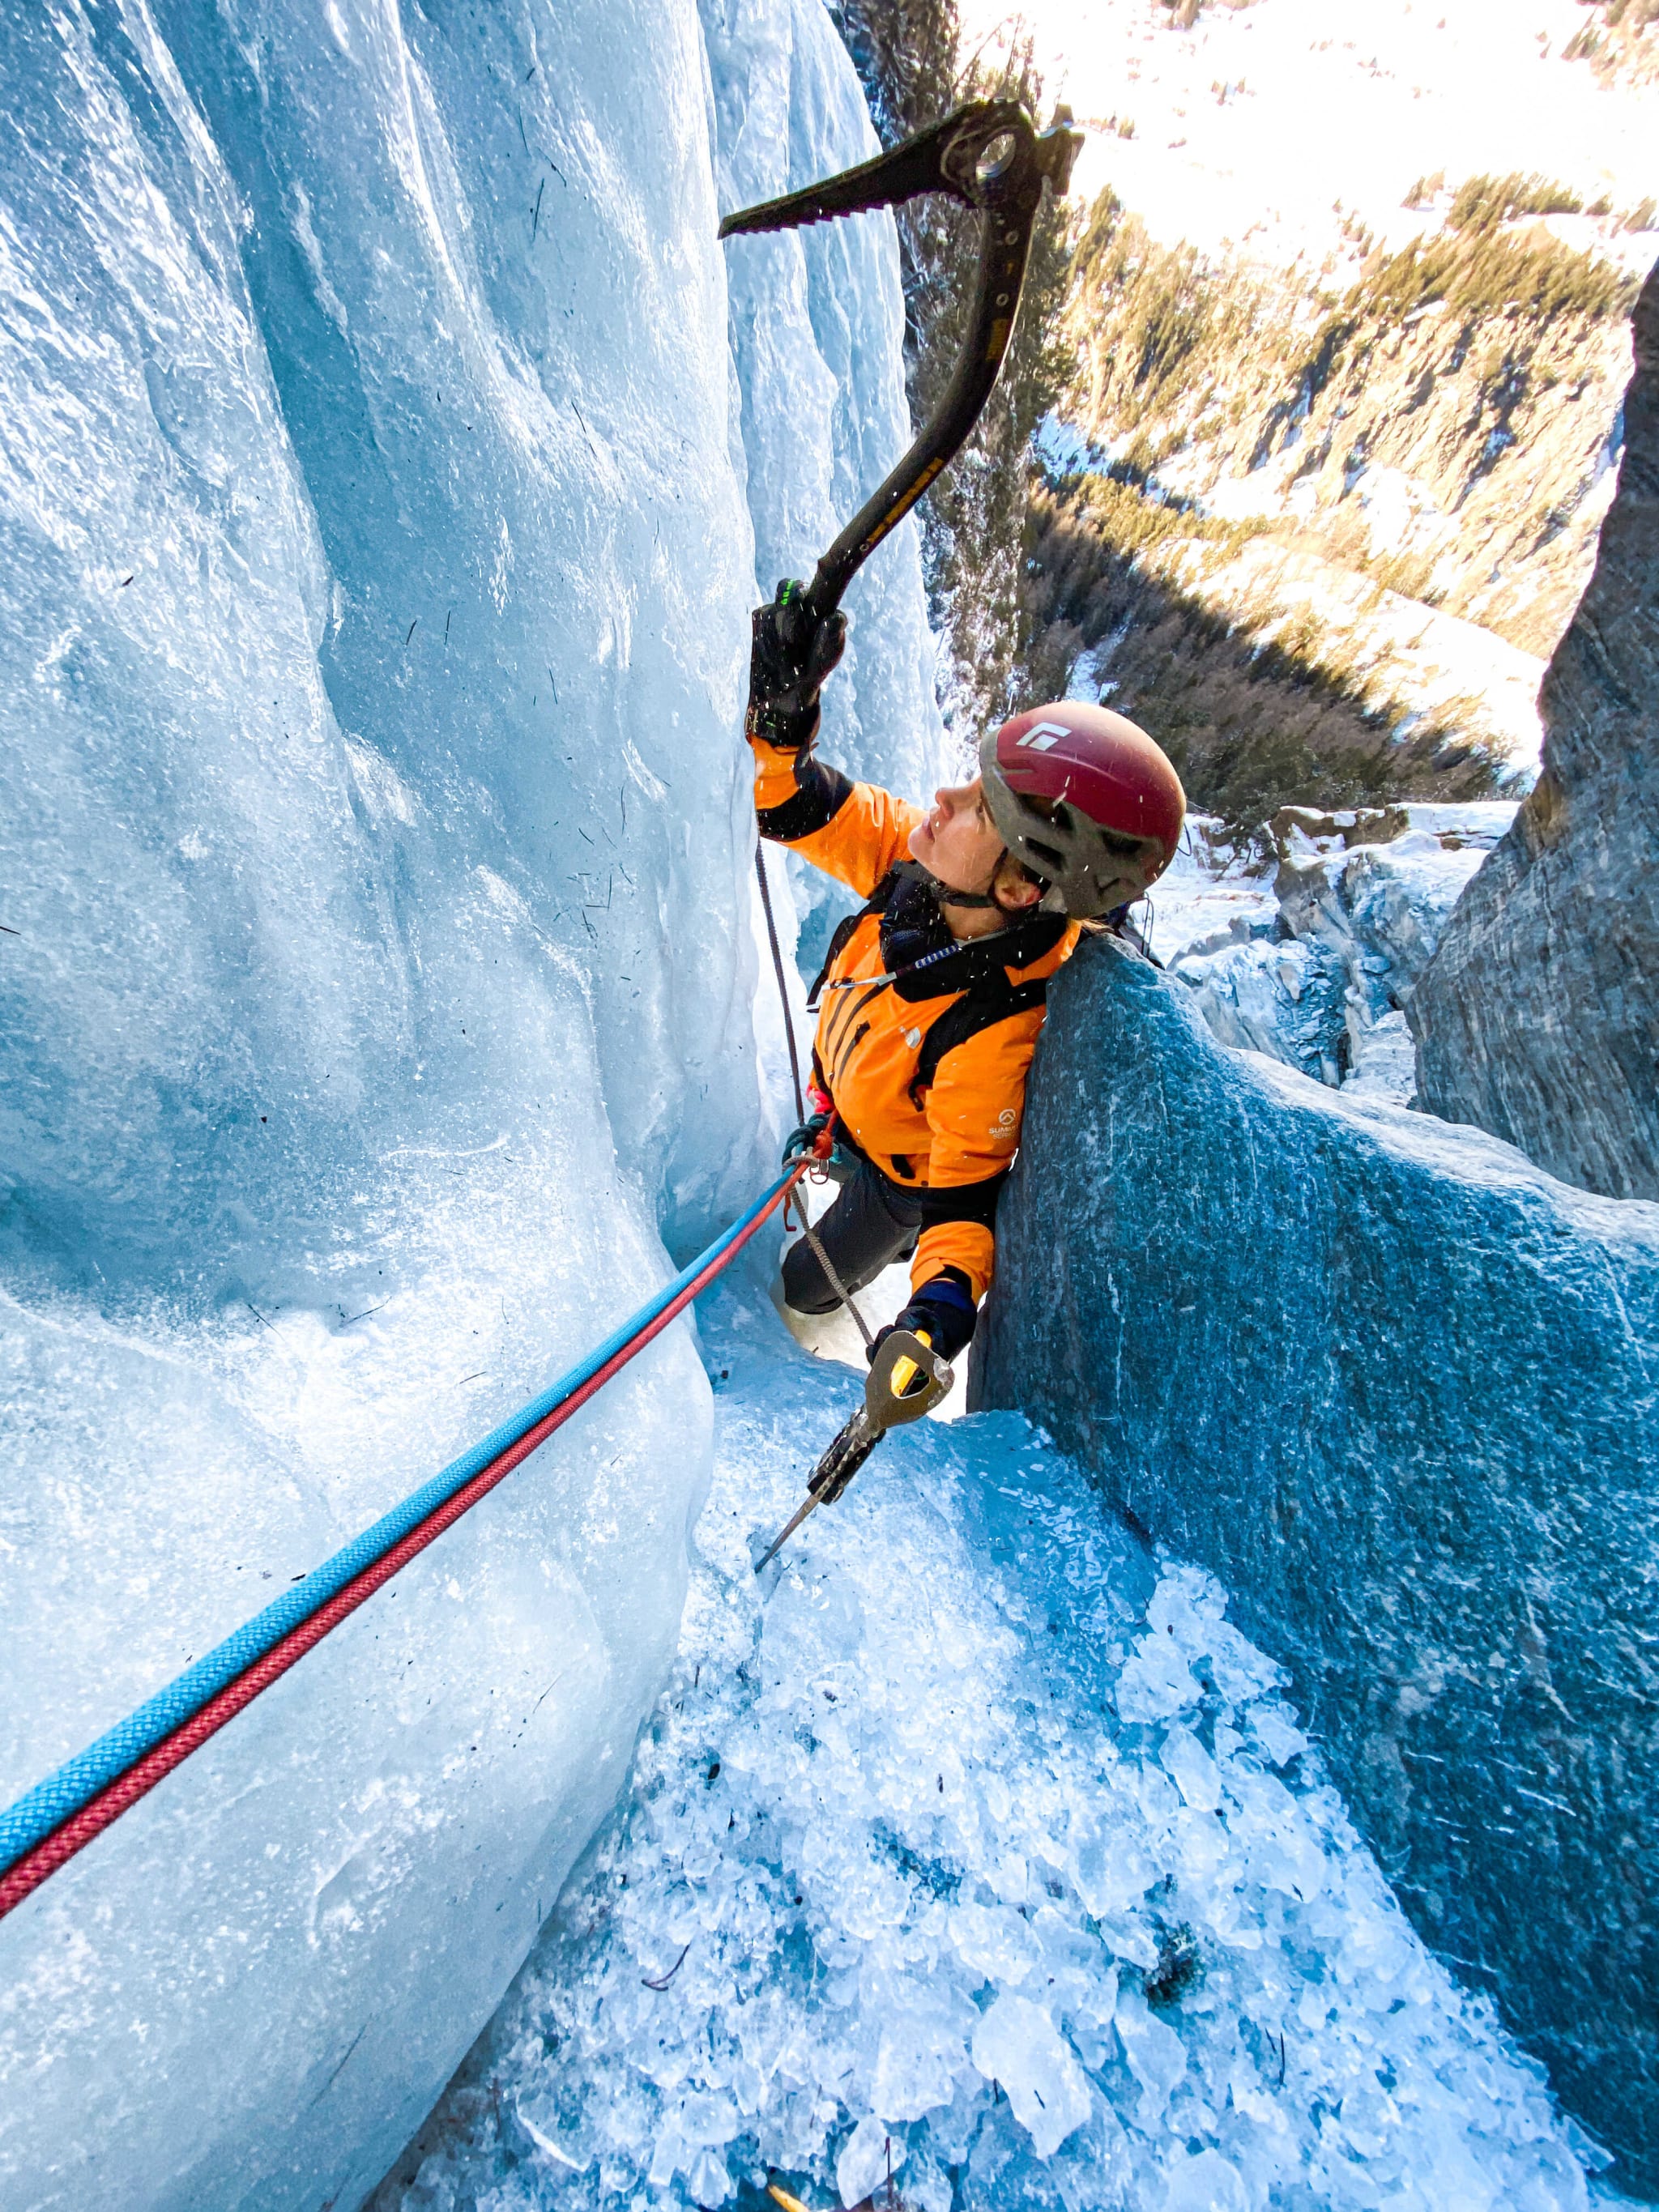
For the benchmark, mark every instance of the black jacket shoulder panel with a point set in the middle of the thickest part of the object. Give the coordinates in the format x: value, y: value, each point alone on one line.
x: 820, y: 793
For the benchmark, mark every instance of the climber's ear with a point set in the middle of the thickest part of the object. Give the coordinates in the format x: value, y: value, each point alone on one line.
x: 1014, y: 888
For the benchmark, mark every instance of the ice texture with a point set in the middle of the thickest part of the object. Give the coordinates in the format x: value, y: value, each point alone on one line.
x: 817, y: 331
x: 1394, y: 1386
x: 377, y: 1002
x: 1307, y: 944
x: 912, y: 1859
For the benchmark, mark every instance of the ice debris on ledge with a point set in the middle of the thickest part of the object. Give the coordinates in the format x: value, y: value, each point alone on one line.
x: 987, y: 1842
x: 1306, y: 940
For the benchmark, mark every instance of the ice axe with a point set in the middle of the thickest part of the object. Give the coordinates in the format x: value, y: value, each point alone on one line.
x: 987, y: 154
x: 906, y: 1379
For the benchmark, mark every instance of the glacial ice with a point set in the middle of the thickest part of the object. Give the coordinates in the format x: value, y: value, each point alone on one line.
x: 1313, y: 961
x: 378, y: 1002
x: 817, y: 331
x: 988, y: 1839
x: 386, y: 455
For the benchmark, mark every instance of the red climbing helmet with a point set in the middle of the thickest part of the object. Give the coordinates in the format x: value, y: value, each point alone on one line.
x: 1086, y: 800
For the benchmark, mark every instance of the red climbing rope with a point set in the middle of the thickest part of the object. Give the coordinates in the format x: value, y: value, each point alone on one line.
x: 76, y: 1833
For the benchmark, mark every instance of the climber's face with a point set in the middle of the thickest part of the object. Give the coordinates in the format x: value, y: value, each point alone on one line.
x: 959, y: 842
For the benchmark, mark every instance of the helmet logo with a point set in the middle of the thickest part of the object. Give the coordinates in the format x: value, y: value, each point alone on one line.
x: 1042, y: 736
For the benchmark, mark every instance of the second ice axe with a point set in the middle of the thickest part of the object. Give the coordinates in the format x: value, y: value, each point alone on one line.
x: 906, y: 1379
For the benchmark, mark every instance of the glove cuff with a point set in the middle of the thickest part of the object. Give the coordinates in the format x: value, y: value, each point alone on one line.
x: 944, y: 1307
x: 769, y: 725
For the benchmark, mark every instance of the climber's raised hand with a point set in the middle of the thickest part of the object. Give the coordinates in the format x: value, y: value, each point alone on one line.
x: 791, y: 651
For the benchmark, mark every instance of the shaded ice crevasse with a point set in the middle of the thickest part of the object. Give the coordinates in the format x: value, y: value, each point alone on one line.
x: 910, y: 1845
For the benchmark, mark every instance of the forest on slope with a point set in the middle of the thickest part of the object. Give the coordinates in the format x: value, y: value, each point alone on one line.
x: 1317, y: 522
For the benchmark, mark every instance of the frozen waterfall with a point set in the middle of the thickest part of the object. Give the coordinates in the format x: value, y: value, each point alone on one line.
x: 987, y: 1842
x: 389, y: 458
x: 375, y: 478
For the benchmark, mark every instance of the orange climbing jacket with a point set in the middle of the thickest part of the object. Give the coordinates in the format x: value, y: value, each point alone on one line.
x: 926, y: 1070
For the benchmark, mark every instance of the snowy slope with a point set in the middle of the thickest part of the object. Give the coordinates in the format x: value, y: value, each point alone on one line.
x: 1268, y: 122
x: 377, y: 1015
x: 912, y: 1840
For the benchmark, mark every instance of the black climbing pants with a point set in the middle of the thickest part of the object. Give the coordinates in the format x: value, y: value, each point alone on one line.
x: 870, y: 1225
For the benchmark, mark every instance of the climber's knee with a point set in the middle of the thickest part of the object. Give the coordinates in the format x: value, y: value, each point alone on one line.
x: 806, y: 1290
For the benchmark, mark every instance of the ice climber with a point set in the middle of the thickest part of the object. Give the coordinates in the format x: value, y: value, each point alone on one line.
x: 932, y: 993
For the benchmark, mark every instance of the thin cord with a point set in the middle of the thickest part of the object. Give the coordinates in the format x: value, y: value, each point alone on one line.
x: 822, y: 1257
x: 835, y: 1281
x: 783, y: 989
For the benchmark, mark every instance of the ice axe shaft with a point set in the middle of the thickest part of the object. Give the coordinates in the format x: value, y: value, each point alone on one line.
x: 906, y: 1379
x: 987, y: 154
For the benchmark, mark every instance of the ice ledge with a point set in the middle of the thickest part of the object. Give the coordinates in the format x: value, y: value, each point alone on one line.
x: 1393, y: 1385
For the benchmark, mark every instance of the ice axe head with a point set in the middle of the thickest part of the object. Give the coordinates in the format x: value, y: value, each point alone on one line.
x: 906, y: 1379
x: 985, y: 153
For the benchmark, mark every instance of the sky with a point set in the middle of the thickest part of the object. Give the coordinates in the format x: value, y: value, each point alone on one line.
x: 1252, y: 124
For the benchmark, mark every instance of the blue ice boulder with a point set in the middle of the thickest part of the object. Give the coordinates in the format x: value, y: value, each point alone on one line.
x: 1394, y: 1386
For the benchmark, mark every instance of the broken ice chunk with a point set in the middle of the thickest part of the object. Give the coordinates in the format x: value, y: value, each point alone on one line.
x: 994, y: 1942
x: 1192, y: 1769
x: 923, y: 2048
x: 1277, y: 1733
x: 1156, y: 2054
x: 1208, y: 2183
x: 1156, y: 1683
x: 1018, y: 2045
x: 863, y: 2161
x: 1109, y: 1868
x: 707, y: 2181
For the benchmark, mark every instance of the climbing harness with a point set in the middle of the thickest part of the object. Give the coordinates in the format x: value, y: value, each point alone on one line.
x: 987, y: 153
x: 50, y: 1823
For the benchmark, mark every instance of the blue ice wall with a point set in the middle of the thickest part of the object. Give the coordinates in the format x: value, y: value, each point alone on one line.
x: 1396, y: 1388
x: 817, y: 333
x: 377, y: 993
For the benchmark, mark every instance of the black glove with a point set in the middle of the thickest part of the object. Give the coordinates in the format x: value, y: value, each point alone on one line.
x: 791, y: 653
x: 942, y: 1310
x: 839, y: 1164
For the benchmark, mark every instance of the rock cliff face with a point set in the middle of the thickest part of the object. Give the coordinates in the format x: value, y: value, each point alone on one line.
x: 1394, y: 1386
x: 1538, y: 1018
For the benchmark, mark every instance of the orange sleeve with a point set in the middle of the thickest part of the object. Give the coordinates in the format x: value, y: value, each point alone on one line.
x: 854, y: 831
x: 973, y: 1113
